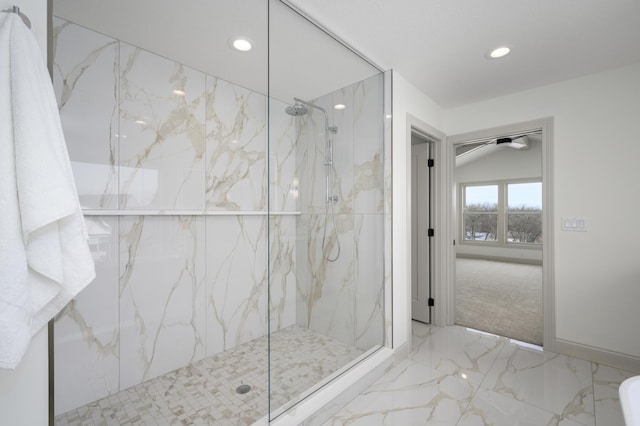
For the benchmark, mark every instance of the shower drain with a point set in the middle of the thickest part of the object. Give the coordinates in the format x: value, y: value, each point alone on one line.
x: 242, y: 389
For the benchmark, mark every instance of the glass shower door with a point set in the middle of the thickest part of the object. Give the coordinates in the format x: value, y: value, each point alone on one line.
x: 326, y: 207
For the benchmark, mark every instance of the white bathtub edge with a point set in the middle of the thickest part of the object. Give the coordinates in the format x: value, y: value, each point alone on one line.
x: 630, y: 400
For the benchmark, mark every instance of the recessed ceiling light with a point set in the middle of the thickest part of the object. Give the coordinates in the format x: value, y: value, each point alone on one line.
x: 178, y: 92
x: 339, y: 106
x: 241, y: 44
x: 498, y: 52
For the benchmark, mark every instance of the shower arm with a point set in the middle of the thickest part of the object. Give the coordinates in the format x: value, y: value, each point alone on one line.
x: 331, y: 129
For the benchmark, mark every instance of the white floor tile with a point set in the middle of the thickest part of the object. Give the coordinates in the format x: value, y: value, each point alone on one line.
x: 557, y: 383
x: 456, y: 350
x: 606, y: 381
x: 409, y: 394
x: 491, y: 408
x: 518, y: 385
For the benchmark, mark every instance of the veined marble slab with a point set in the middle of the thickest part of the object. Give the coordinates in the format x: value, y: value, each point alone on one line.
x: 409, y: 394
x: 556, y: 383
x: 162, y: 116
x: 368, y: 167
x: 284, y: 183
x: 85, y: 79
x: 236, y: 281
x: 369, y: 281
x: 87, y: 331
x: 343, y: 299
x: 282, y: 274
x: 236, y: 147
x: 162, y: 295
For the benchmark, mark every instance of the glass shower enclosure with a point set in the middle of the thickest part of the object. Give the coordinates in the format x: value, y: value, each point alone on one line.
x: 236, y: 203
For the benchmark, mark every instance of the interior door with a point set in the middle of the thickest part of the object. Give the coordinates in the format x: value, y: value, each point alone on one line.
x: 421, y: 256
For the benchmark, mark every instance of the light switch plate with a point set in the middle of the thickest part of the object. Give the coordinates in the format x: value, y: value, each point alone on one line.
x: 572, y: 223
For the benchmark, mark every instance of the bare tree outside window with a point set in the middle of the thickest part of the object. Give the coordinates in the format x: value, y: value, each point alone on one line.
x: 481, y: 222
x: 506, y: 213
x: 481, y: 213
x: 524, y: 213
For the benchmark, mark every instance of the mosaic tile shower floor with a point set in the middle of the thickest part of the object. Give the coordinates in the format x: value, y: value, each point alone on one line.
x: 204, y: 393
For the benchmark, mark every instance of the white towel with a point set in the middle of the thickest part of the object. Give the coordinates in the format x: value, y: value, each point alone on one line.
x: 44, y: 256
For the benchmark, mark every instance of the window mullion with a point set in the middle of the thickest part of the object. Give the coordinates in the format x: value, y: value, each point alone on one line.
x: 502, y: 229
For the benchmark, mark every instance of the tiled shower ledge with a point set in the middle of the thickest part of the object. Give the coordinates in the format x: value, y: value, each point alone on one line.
x: 97, y: 212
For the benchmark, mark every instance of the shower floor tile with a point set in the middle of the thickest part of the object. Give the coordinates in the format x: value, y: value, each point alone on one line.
x: 204, y: 392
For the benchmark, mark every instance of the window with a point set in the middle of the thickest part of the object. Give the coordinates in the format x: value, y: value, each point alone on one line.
x: 524, y: 213
x: 502, y: 213
x: 481, y: 213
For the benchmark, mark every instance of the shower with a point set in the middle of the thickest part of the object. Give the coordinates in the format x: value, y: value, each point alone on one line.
x: 232, y: 251
x: 301, y: 108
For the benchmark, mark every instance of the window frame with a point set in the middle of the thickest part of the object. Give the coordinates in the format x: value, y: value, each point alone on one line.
x: 502, y: 225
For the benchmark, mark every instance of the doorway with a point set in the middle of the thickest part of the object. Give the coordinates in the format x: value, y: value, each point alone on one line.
x: 422, y: 231
x: 484, y: 233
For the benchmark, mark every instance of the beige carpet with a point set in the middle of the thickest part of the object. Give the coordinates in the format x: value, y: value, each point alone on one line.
x: 500, y: 298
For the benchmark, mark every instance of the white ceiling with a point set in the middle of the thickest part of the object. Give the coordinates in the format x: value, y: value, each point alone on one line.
x: 439, y: 45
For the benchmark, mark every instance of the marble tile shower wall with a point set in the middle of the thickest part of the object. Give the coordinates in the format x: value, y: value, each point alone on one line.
x: 170, y: 288
x: 343, y: 299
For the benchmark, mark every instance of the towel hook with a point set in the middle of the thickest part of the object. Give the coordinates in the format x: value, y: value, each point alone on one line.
x: 16, y: 9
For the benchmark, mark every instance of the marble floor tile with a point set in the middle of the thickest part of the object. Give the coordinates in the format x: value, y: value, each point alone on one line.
x: 409, y: 394
x: 606, y: 381
x: 519, y: 384
x: 419, y: 332
x: 553, y: 382
x: 492, y: 408
x: 456, y: 350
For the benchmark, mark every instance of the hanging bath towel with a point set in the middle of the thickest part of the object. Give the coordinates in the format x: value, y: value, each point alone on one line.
x: 44, y: 256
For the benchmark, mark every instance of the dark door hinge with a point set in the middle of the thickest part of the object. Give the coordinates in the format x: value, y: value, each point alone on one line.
x: 430, y: 162
x: 430, y: 232
x: 431, y: 301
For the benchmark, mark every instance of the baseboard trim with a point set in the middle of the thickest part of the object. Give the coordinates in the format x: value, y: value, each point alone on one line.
x: 499, y: 258
x: 601, y: 356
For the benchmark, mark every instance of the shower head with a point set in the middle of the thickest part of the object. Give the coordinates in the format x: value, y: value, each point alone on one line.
x: 296, y: 110
x: 301, y: 108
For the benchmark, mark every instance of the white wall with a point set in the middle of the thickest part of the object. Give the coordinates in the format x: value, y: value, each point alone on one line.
x: 24, y: 391
x: 407, y: 99
x: 596, y: 146
x: 501, y: 163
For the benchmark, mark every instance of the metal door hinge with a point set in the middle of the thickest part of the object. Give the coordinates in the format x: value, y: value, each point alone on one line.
x: 431, y: 301
x: 430, y: 232
x: 430, y: 162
